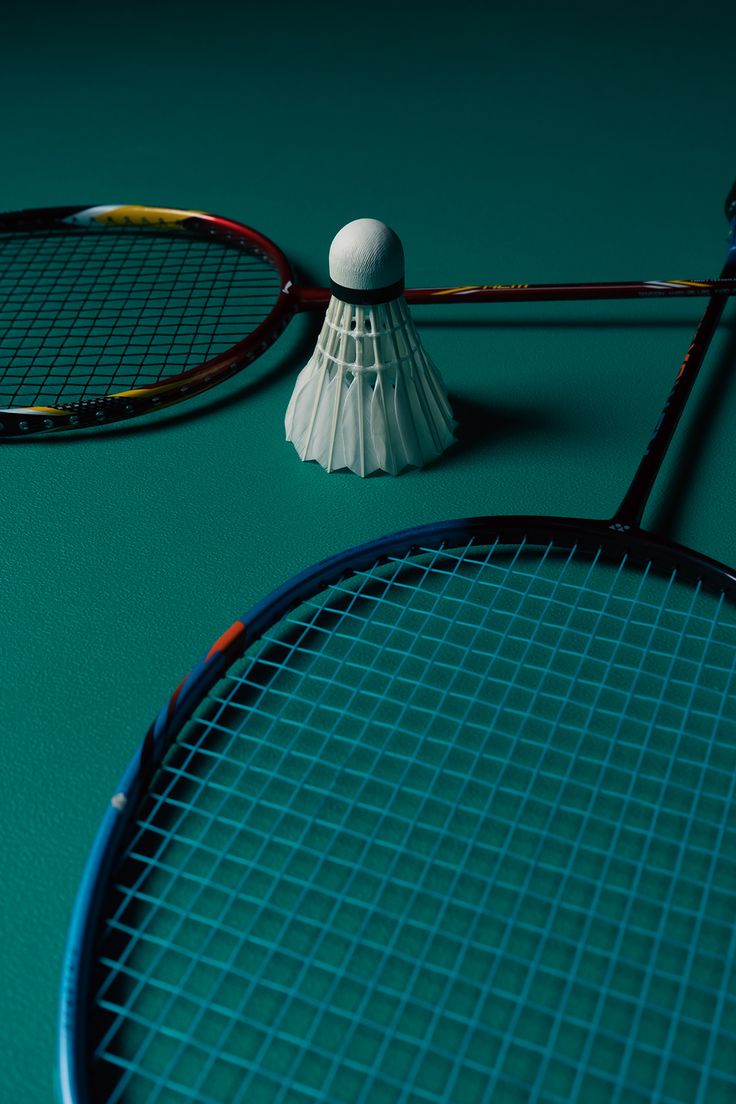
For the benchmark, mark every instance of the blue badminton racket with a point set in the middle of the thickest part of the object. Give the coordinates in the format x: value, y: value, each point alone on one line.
x: 449, y: 817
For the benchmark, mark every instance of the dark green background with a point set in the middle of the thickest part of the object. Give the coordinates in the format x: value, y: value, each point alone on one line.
x: 505, y: 143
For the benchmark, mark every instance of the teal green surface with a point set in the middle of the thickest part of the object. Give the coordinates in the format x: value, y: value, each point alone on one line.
x: 539, y: 142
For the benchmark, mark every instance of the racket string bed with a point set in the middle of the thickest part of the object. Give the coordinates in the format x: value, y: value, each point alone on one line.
x: 94, y: 360
x: 299, y: 733
x: 64, y: 308
x: 88, y: 312
x: 256, y: 860
x: 363, y: 936
x: 39, y: 322
x: 536, y: 856
x: 444, y: 904
x: 139, y: 341
x: 596, y: 1001
x: 177, y: 774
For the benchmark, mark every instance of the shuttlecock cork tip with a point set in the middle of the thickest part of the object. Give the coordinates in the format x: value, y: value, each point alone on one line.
x: 366, y: 262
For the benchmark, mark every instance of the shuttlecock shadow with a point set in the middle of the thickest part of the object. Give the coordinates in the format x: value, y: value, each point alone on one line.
x: 477, y: 423
x: 480, y: 425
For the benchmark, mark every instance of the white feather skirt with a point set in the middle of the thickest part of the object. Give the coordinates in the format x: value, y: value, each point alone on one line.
x: 370, y: 399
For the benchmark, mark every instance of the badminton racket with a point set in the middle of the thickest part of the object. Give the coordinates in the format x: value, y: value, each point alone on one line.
x: 115, y: 311
x: 448, y: 817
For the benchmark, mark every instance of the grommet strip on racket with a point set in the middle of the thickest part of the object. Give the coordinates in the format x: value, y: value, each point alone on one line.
x: 110, y: 312
x: 449, y: 817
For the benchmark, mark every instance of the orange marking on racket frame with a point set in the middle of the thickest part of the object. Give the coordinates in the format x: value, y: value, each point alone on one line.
x: 226, y: 639
x: 174, y: 697
x: 684, y: 364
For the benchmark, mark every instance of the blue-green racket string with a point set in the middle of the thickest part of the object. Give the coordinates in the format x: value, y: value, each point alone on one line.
x: 459, y: 827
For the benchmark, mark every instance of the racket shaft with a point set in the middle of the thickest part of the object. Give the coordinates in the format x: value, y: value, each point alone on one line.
x: 537, y: 293
x: 312, y: 298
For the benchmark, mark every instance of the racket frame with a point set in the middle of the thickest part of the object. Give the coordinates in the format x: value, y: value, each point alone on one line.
x: 610, y: 538
x: 620, y: 536
x: 132, y: 402
x: 84, y: 413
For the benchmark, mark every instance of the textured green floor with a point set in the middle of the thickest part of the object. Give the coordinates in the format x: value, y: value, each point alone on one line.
x: 505, y: 145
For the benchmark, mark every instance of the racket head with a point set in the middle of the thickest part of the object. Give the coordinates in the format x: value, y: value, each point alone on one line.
x: 395, y: 862
x: 109, y: 312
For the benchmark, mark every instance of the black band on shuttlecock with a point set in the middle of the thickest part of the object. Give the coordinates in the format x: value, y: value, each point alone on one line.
x: 360, y: 297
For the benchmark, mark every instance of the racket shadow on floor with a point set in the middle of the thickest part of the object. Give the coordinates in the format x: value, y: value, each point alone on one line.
x: 493, y: 322
x: 684, y: 475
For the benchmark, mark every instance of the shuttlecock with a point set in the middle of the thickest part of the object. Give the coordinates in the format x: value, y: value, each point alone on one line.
x: 370, y: 399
